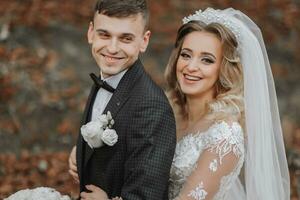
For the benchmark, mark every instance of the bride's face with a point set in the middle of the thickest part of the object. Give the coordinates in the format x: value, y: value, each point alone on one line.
x: 199, y: 63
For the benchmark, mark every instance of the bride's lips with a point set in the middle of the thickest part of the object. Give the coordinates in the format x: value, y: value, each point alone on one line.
x: 191, y: 78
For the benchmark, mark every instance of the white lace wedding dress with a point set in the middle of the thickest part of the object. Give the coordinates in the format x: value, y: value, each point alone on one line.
x: 199, y: 171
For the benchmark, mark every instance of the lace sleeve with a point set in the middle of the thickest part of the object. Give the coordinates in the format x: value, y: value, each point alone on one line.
x: 220, y: 160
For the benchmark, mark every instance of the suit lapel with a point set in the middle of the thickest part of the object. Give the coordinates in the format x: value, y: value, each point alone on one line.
x: 120, y: 96
x: 89, y: 105
x: 124, y: 89
x: 81, y: 145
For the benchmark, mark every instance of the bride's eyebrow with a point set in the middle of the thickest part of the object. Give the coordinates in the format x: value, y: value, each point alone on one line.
x: 186, y: 49
x: 208, y: 54
x: 205, y: 53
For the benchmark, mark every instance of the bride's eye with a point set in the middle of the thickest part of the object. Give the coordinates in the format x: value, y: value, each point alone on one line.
x: 185, y: 55
x: 207, y: 61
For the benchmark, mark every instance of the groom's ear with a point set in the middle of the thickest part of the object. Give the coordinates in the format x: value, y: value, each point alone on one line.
x: 145, y: 42
x: 90, y: 33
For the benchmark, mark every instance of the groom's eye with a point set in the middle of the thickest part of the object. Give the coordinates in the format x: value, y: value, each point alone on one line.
x: 127, y: 39
x: 103, y: 35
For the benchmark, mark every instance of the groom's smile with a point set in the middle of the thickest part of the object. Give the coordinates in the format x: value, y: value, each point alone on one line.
x: 112, y: 60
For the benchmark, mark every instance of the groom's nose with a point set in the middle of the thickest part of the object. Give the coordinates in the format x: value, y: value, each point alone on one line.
x: 113, y: 46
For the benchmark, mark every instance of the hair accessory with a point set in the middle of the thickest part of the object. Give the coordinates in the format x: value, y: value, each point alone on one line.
x: 210, y: 15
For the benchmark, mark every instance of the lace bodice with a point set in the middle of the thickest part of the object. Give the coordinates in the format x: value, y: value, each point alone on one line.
x: 206, y: 164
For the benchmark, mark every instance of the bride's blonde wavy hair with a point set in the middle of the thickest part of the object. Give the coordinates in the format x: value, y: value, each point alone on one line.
x: 229, y: 86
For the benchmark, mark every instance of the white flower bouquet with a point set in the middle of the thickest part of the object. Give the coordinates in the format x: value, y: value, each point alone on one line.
x: 40, y: 193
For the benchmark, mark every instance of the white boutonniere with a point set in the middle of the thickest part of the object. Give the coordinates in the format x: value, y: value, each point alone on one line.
x: 100, y: 131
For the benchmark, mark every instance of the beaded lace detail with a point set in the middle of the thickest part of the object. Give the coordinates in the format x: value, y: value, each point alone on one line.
x: 199, y: 193
x: 211, y: 15
x: 213, y: 166
x: 222, y: 139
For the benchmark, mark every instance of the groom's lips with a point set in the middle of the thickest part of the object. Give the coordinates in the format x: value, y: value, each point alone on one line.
x: 112, y: 59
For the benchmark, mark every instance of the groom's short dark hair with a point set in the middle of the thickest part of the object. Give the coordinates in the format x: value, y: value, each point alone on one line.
x: 123, y: 8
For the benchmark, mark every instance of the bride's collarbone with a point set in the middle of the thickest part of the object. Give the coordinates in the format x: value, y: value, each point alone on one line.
x: 195, y: 128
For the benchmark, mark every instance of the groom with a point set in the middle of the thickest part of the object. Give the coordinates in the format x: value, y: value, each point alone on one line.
x: 137, y: 166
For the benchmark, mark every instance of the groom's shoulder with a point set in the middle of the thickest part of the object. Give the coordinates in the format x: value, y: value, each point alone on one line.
x: 144, y: 88
x: 147, y: 86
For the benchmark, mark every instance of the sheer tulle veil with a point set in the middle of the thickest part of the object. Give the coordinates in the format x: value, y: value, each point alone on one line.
x: 266, y: 170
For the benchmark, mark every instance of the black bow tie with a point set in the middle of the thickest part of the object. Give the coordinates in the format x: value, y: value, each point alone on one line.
x: 101, y: 84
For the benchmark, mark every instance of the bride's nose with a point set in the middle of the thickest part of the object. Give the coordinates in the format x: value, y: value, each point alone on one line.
x: 193, y: 64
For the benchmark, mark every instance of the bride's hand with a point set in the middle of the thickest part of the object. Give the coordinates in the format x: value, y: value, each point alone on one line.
x: 117, y: 198
x: 95, y: 194
x: 73, y: 165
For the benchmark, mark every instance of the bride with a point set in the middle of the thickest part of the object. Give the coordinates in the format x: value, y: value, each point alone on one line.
x: 221, y: 87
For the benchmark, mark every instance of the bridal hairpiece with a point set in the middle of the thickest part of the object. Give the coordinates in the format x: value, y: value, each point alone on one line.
x: 211, y: 15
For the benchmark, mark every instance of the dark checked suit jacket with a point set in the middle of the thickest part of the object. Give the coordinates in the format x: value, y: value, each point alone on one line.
x: 137, y: 167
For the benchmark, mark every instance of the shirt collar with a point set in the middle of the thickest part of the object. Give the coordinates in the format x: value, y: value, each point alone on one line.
x: 115, y: 79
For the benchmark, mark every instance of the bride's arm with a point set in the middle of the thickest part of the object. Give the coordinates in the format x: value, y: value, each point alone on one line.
x: 219, y: 159
x: 204, y: 181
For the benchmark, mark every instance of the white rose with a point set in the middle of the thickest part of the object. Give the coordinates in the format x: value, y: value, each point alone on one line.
x: 110, y: 137
x: 103, y: 120
x: 112, y: 122
x: 92, y: 133
x: 108, y: 116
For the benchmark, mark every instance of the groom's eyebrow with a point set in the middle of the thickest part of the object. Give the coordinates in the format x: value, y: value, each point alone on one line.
x: 101, y: 31
x: 121, y: 35
x: 128, y: 35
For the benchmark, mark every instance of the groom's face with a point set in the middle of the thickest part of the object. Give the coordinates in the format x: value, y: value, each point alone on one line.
x: 117, y: 42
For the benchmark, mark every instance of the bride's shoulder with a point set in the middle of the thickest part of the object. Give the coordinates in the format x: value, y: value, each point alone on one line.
x: 225, y: 135
x: 226, y: 128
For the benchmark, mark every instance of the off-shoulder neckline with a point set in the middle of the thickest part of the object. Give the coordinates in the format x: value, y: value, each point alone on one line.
x: 207, y: 131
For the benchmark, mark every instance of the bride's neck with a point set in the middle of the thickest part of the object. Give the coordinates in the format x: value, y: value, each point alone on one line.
x: 197, y: 105
x: 196, y: 110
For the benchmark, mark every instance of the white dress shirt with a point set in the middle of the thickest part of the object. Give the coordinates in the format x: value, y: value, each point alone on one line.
x: 103, y: 96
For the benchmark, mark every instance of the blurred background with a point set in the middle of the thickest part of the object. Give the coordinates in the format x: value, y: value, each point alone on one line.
x: 44, y: 83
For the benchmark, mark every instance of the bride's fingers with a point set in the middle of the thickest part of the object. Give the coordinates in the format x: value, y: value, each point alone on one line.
x: 72, y: 157
x: 93, y: 188
x: 73, y: 167
x: 84, y: 195
x: 74, y: 175
x: 72, y: 161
